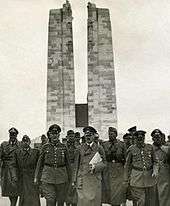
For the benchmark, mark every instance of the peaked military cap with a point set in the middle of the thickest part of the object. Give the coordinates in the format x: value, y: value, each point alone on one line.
x: 77, y: 135
x: 155, y: 131
x: 127, y: 136
x: 13, y: 130
x: 139, y: 132
x: 89, y: 129
x: 132, y: 129
x: 54, y: 127
x: 112, y: 129
x: 43, y: 136
x: 64, y: 139
x: 26, y: 138
x: 69, y: 132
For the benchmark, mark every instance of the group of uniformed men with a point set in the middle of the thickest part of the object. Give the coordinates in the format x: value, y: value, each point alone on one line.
x: 87, y: 172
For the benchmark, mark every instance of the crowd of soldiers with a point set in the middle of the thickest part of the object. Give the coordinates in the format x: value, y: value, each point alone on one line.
x: 86, y: 171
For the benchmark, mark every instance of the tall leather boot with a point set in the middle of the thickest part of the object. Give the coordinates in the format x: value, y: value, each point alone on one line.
x: 13, y: 201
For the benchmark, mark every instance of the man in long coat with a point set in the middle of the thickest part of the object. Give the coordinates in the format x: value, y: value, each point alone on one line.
x: 113, y: 175
x: 163, y: 154
x: 89, y: 163
x: 25, y: 162
x: 141, y: 170
x: 8, y: 179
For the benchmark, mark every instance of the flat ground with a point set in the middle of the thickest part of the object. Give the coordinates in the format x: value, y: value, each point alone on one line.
x: 5, y: 202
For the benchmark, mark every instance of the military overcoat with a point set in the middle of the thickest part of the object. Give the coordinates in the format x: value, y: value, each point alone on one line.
x: 88, y: 183
x: 113, y: 175
x: 8, y: 185
x: 163, y: 185
x: 25, y: 163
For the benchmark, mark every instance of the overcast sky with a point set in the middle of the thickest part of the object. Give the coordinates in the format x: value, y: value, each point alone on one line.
x: 141, y: 47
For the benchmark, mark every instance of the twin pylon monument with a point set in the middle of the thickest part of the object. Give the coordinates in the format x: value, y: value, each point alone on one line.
x: 101, y: 102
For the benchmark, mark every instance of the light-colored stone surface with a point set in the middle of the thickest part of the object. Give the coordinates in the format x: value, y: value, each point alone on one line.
x: 60, y: 73
x: 101, y: 78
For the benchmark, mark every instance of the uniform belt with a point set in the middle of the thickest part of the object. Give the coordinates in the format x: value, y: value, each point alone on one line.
x: 142, y: 169
x: 53, y: 165
x: 115, y: 161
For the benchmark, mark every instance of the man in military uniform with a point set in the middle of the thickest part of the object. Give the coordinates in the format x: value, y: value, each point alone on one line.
x: 89, y: 163
x: 141, y: 170
x: 163, y: 154
x: 83, y: 139
x: 25, y: 160
x: 8, y: 177
x: 64, y: 140
x: 53, y: 168
x: 113, y: 175
x: 127, y: 139
x: 77, y: 138
x: 44, y: 140
x: 168, y: 141
x: 132, y: 132
x: 71, y: 145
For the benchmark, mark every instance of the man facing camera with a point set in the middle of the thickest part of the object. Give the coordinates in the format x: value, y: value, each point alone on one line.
x: 9, y: 182
x: 141, y: 171
x: 89, y: 163
x: 53, y: 168
x: 25, y: 162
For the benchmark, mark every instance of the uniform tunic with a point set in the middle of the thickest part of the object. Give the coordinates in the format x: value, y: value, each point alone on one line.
x: 26, y: 161
x: 140, y: 164
x: 7, y: 151
x: 72, y: 193
x: 163, y: 184
x: 88, y: 184
x: 113, y: 175
x: 54, y: 171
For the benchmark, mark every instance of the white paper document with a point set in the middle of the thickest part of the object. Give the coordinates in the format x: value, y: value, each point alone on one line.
x: 96, y: 159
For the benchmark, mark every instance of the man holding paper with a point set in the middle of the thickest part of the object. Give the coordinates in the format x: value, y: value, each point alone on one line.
x: 89, y: 163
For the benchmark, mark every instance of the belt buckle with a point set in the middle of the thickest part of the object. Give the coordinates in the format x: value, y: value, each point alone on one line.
x: 113, y: 161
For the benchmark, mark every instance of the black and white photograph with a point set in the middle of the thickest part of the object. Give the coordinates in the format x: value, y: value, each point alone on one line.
x: 85, y: 103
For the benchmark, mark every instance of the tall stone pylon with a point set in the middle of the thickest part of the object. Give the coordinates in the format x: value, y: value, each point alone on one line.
x: 102, y: 112
x: 60, y: 72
